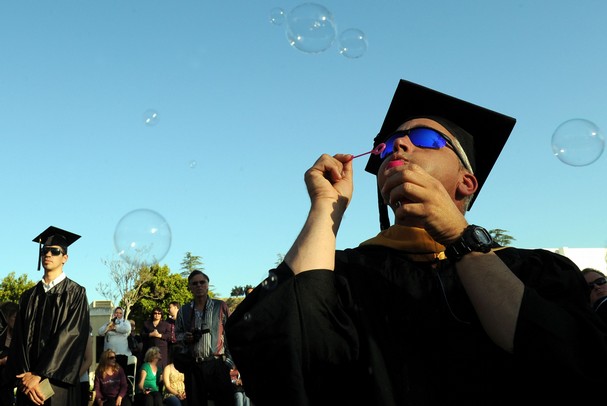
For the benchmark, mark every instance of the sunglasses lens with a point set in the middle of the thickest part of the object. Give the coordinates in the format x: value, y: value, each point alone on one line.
x: 53, y: 251
x: 420, y: 137
x: 427, y: 138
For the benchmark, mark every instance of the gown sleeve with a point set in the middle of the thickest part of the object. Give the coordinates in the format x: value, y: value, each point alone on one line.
x: 273, y: 330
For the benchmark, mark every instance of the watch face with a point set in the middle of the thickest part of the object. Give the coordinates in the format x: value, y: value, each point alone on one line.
x: 482, y: 236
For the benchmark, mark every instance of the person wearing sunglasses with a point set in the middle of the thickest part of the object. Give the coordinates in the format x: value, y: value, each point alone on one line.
x: 205, y: 358
x: 430, y: 311
x: 597, y: 282
x: 52, y: 328
x: 111, y: 386
x: 156, y: 332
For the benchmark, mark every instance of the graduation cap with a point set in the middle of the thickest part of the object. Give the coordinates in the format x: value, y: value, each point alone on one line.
x: 54, y: 236
x: 481, y: 132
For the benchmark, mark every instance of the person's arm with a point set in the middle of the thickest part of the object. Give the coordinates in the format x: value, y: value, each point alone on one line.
x: 142, y: 375
x: 166, y: 381
x: 87, y: 361
x: 97, y: 388
x: 123, y: 384
x: 330, y: 186
x: 105, y: 328
x: 124, y: 327
x: 496, y: 294
x: 494, y: 291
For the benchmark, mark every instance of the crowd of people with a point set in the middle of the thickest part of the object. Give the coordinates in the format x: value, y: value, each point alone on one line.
x: 431, y: 311
x: 46, y: 346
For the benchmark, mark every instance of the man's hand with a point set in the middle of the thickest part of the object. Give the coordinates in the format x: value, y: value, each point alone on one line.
x: 30, y: 386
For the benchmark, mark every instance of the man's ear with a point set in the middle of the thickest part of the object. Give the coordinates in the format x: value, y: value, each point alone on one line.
x: 468, y: 184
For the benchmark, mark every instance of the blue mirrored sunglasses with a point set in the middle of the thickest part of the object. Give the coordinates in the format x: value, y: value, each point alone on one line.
x: 422, y: 137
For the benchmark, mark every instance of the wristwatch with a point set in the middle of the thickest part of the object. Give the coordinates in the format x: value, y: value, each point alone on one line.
x: 475, y: 238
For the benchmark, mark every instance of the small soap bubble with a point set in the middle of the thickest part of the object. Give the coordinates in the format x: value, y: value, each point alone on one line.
x: 277, y: 16
x: 270, y: 282
x: 578, y: 142
x: 142, y: 237
x: 310, y: 28
x: 352, y: 43
x: 150, y: 117
x: 193, y: 164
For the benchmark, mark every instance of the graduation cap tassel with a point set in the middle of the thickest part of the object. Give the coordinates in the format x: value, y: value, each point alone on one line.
x: 39, y: 253
x: 384, y: 220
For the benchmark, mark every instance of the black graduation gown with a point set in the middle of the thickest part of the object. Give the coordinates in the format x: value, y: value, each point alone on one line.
x: 50, y: 336
x: 384, y: 330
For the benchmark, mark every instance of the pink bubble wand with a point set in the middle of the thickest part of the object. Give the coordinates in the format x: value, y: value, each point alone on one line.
x: 375, y: 151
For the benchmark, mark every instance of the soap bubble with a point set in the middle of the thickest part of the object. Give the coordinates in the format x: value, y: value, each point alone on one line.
x: 142, y: 237
x: 352, y: 43
x: 310, y: 28
x: 277, y: 16
x: 578, y: 142
x: 193, y: 164
x: 150, y: 117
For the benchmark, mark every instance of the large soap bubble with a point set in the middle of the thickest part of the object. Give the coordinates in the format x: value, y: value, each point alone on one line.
x: 310, y: 28
x: 142, y: 237
x: 578, y: 142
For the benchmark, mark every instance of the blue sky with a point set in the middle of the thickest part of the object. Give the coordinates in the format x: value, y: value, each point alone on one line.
x: 242, y: 115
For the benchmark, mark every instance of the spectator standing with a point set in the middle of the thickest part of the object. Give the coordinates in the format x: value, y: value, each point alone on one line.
x: 51, y: 329
x: 200, y: 328
x: 116, y: 332
x: 156, y: 333
x: 171, y: 317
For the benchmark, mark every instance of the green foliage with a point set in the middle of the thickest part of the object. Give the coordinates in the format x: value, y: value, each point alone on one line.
x: 191, y: 262
x: 500, y: 237
x: 159, y: 289
x: 239, y: 290
x: 12, y: 287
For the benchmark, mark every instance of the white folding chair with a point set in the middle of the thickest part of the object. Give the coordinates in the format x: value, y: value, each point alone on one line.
x: 131, y: 374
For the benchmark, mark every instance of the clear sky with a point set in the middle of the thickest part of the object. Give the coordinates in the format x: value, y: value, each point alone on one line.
x: 241, y: 114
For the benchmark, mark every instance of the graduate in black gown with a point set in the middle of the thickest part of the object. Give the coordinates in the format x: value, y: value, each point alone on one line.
x: 52, y: 328
x: 430, y: 311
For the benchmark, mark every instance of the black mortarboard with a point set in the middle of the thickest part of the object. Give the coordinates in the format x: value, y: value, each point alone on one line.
x: 55, y: 236
x: 481, y: 132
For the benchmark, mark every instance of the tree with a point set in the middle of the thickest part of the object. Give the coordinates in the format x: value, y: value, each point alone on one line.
x: 160, y: 289
x: 239, y: 290
x: 11, y: 287
x: 127, y: 280
x: 191, y: 262
x: 500, y: 236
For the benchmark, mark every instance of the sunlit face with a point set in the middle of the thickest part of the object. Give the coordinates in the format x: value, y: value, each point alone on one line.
x: 442, y: 164
x: 52, y: 257
x: 118, y: 313
x: 199, y: 286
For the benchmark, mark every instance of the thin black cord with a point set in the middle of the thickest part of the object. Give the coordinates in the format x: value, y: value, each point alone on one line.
x: 440, y: 281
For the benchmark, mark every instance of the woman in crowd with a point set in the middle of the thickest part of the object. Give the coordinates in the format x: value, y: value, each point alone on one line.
x: 110, y: 382
x: 148, y: 389
x: 156, y: 332
x: 174, y: 383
